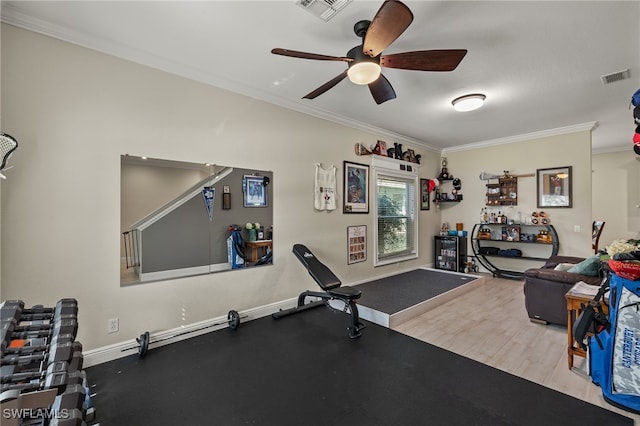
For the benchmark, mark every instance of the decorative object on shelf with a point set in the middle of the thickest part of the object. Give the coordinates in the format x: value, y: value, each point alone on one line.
x: 484, y: 234
x: 554, y: 187
x: 538, y: 218
x: 511, y: 233
x: 356, y: 244
x: 380, y: 148
x: 360, y: 149
x: 395, y: 152
x: 255, y: 190
x: 252, y: 229
x: 444, y: 173
x: 356, y: 188
x: 544, y: 237
x: 444, y: 229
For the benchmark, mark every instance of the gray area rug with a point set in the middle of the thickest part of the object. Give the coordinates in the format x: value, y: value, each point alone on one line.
x: 399, y: 292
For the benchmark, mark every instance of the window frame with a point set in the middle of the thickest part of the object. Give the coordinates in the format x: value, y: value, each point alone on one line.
x: 405, y: 171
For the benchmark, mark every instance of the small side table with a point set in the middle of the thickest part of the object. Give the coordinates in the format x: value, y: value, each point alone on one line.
x: 574, y: 307
x: 257, y: 249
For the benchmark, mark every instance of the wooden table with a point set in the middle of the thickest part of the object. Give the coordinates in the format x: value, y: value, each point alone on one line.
x: 257, y: 249
x: 574, y: 307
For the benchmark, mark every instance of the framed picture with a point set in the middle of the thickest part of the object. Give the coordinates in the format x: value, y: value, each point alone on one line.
x: 356, y: 244
x: 356, y: 188
x: 424, y: 194
x: 554, y: 187
x: 255, y: 193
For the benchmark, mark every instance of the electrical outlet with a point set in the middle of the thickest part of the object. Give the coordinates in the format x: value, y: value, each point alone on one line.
x: 113, y: 325
x: 576, y: 228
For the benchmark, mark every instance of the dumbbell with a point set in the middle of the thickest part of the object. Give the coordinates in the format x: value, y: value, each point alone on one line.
x: 55, y: 376
x: 40, y: 344
x: 71, y: 399
x: 59, y: 326
x: 15, y: 367
x: 70, y: 352
x: 16, y: 309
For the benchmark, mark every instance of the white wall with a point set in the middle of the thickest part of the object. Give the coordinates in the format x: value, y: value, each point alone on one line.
x: 572, y: 149
x: 616, y: 194
x: 75, y: 111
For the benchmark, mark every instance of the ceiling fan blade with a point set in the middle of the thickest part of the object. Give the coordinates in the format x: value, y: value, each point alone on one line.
x: 381, y: 90
x: 392, y: 19
x: 305, y: 55
x: 424, y: 60
x: 328, y: 85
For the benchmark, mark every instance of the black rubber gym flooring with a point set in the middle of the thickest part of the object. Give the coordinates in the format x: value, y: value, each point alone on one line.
x: 398, y: 292
x: 304, y: 370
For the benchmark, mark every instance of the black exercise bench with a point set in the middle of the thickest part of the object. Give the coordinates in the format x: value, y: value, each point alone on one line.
x: 332, y: 291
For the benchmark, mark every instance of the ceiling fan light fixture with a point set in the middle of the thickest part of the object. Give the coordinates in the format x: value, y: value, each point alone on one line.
x: 364, y: 72
x: 468, y: 102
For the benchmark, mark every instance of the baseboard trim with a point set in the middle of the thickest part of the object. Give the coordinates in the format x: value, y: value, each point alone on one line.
x: 130, y: 347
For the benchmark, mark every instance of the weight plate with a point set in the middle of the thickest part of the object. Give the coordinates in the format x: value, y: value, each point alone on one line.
x: 234, y: 319
x: 143, y: 340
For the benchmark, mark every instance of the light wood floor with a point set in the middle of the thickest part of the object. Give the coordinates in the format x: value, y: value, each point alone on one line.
x: 489, y: 324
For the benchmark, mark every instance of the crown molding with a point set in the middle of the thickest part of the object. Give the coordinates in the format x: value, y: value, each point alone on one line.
x: 590, y: 126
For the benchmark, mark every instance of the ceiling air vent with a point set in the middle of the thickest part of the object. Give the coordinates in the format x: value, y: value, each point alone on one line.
x: 324, y: 9
x: 616, y: 76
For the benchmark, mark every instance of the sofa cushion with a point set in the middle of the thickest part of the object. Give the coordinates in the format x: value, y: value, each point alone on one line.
x: 564, y: 266
x: 554, y: 261
x: 590, y: 266
x: 560, y: 277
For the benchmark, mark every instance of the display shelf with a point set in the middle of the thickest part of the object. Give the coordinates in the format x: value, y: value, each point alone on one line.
x: 548, y: 239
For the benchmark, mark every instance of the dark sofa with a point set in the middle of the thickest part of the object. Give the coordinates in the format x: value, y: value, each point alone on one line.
x: 545, y: 289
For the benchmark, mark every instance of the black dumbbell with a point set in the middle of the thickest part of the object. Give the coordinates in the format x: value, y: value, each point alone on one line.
x: 40, y: 345
x: 55, y: 376
x: 17, y: 367
x: 60, y: 326
x: 64, y: 308
x: 72, y: 398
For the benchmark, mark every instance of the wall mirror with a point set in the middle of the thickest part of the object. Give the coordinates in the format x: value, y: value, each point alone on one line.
x: 179, y: 219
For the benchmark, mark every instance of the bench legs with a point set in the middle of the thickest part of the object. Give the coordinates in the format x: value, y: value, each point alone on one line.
x: 354, y: 329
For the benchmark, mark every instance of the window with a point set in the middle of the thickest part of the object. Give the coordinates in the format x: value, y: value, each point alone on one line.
x: 396, y: 230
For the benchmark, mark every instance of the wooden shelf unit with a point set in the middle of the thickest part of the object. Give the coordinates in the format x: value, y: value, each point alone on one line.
x: 503, y: 193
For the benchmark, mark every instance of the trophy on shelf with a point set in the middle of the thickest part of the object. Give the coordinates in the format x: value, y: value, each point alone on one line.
x: 444, y: 174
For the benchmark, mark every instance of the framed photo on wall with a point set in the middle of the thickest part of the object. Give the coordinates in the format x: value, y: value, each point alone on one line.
x: 255, y: 193
x: 356, y: 188
x: 554, y: 187
x: 356, y: 244
x: 425, y: 204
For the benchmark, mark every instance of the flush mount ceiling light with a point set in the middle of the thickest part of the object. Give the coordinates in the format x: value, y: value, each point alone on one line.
x: 468, y: 102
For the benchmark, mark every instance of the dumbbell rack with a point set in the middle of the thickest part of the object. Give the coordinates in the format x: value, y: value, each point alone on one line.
x: 42, y: 381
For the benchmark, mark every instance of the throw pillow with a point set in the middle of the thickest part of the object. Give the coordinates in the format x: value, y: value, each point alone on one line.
x: 564, y: 266
x: 589, y: 266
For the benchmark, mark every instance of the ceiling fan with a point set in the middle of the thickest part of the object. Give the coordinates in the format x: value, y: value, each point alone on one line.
x: 365, y: 61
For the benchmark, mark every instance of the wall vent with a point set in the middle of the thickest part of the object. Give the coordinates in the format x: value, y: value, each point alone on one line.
x: 616, y: 76
x: 324, y: 9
